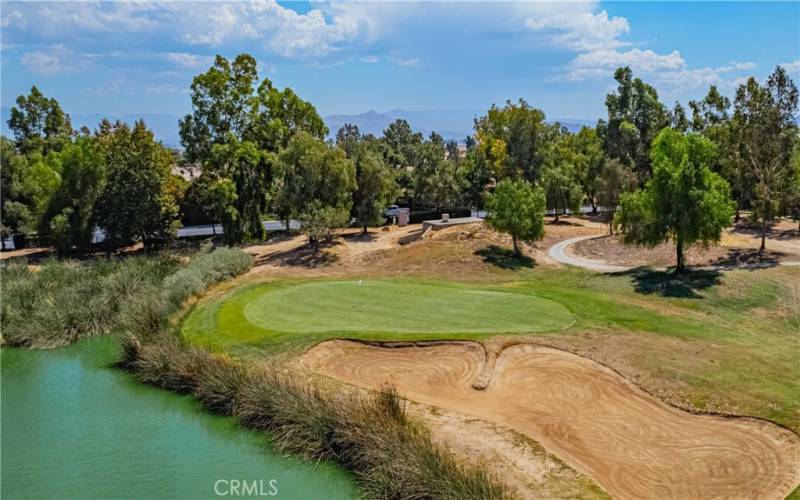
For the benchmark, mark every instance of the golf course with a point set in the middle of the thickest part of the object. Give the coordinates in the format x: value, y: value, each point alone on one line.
x: 499, y: 341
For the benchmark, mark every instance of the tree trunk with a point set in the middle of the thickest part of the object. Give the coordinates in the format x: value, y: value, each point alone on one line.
x: 517, y: 251
x: 213, y: 229
x: 365, y: 229
x: 680, y: 260
x: 594, y: 205
x: 738, y: 216
x: 287, y: 224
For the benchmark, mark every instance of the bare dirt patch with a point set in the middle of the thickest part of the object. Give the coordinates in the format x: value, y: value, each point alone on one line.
x: 610, y: 250
x: 629, y: 442
x: 459, y: 252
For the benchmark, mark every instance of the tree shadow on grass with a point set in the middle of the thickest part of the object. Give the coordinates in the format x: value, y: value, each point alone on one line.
x: 504, y: 258
x: 305, y: 256
x: 672, y: 284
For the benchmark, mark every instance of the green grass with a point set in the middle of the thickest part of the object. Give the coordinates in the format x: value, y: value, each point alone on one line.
x: 726, y: 342
x: 394, y: 309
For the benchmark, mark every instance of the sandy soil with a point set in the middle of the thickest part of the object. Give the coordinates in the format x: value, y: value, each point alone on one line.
x: 454, y: 253
x: 629, y: 442
x: 739, y: 245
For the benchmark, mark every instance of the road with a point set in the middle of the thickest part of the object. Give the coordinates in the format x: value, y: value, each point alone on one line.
x: 190, y: 231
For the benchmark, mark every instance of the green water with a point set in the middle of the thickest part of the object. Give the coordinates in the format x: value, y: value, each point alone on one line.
x: 72, y: 427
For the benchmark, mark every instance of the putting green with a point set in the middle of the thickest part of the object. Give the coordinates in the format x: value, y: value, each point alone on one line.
x: 370, y: 309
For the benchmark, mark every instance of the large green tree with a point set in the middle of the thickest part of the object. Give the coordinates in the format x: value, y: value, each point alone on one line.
x: 635, y: 117
x: 561, y: 177
x: 39, y: 123
x: 235, y: 131
x: 375, y: 186
x: 683, y: 201
x: 70, y: 218
x: 516, y: 207
x: 514, y: 139
x: 250, y: 171
x: 312, y: 176
x: 763, y: 133
x: 135, y: 204
x: 614, y: 180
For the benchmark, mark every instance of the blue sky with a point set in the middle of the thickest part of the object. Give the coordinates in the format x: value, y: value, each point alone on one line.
x: 121, y: 58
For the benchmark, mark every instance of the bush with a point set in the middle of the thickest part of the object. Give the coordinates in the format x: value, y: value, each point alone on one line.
x: 66, y: 300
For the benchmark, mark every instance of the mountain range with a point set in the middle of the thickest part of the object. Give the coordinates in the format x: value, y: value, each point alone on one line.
x: 453, y: 124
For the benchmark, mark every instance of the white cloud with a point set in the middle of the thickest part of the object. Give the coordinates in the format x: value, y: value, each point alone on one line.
x: 581, y: 31
x: 279, y: 29
x: 187, y: 60
x: 791, y: 67
x: 737, y: 66
x: 369, y: 59
x: 406, y: 63
x: 53, y: 60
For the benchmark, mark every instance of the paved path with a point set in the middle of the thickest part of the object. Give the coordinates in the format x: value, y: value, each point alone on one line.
x: 558, y: 252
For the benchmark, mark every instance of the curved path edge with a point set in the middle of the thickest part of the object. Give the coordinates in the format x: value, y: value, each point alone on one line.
x: 558, y: 253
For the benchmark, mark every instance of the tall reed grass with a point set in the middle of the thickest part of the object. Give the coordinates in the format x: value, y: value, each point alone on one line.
x: 369, y: 434
x: 65, y: 300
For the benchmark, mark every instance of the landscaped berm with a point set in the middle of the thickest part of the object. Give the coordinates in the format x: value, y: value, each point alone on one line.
x: 560, y: 382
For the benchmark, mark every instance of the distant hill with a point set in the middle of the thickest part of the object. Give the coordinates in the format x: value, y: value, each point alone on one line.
x: 450, y: 124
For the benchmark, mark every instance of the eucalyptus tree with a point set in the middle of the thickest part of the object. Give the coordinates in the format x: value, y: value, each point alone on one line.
x: 763, y: 133
x: 635, y: 117
x: 39, y: 124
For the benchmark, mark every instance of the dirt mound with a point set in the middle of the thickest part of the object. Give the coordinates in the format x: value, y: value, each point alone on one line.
x: 629, y: 442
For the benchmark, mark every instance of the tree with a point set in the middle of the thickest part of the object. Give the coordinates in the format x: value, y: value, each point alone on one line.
x: 561, y: 188
x: 250, y: 170
x: 711, y: 111
x: 614, y: 180
x: 39, y: 124
x: 70, y: 218
x: 684, y: 201
x: 792, y: 195
x: 680, y: 121
x: 635, y: 117
x: 375, y: 186
x: 209, y: 200
x: 15, y: 216
x: 516, y: 207
x: 513, y: 140
x: 348, y: 138
x: 223, y: 102
x: 584, y: 152
x: 763, y: 133
x: 235, y: 132
x: 309, y: 170
x: 402, y: 144
x: 474, y: 177
x: 135, y: 203
x: 28, y: 184
x: 317, y: 221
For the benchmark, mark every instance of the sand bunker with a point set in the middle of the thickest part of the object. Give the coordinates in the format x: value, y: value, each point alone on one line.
x: 632, y: 444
